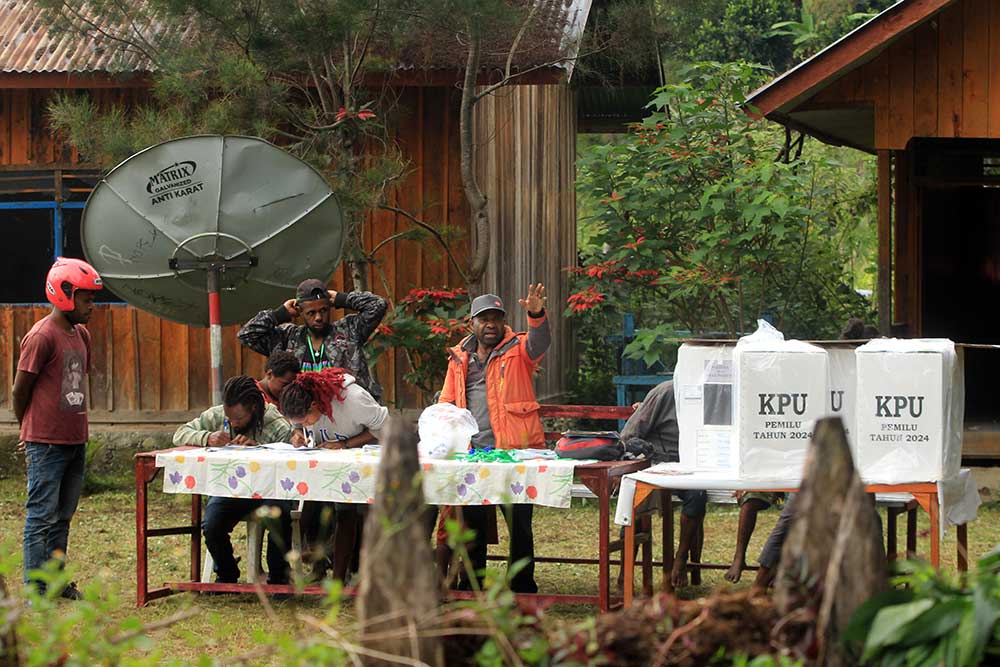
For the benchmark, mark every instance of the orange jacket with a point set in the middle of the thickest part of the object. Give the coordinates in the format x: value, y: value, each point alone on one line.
x: 510, y: 391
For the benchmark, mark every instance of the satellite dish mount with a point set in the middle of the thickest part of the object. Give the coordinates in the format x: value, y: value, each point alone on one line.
x: 214, y: 267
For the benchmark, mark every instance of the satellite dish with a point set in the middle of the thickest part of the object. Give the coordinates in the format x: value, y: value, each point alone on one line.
x: 211, y: 214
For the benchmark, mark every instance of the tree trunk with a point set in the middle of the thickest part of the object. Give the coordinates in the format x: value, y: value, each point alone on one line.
x: 473, y: 194
x: 833, y: 559
x: 398, y: 595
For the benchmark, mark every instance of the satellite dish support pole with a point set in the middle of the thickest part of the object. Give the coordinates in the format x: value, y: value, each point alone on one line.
x: 213, y: 267
x: 215, y: 331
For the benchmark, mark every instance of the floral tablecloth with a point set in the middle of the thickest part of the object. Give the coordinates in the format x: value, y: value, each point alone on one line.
x: 349, y: 476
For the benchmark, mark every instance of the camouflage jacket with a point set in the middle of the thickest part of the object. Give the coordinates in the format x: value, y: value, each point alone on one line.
x: 344, y: 345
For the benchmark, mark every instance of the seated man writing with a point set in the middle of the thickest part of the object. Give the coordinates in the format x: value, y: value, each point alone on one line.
x: 242, y: 419
x: 653, y: 426
x: 331, y: 410
x: 491, y: 374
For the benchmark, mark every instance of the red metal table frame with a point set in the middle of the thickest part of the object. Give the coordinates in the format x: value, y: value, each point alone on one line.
x: 925, y: 495
x: 602, y: 478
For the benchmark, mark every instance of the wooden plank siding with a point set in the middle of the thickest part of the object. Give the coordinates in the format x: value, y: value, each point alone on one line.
x: 527, y: 170
x: 150, y: 370
x: 942, y: 79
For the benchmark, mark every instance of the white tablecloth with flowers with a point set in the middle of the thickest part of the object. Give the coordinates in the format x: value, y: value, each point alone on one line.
x: 349, y: 476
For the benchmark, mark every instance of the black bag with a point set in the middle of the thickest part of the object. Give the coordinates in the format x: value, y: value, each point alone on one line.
x: 600, y: 446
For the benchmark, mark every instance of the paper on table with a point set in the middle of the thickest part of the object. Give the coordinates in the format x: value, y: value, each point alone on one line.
x: 280, y: 446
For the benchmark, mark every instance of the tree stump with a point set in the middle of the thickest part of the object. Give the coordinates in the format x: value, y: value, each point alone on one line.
x: 833, y: 558
x: 398, y: 593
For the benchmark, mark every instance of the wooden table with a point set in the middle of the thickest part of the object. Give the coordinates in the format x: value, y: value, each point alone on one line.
x: 601, y: 478
x: 925, y: 495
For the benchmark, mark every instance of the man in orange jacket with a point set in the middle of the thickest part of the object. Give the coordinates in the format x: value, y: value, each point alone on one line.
x: 491, y: 374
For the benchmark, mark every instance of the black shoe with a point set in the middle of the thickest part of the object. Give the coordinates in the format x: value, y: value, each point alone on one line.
x: 71, y: 592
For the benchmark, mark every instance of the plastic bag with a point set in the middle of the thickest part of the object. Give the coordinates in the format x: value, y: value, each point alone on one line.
x: 445, y: 430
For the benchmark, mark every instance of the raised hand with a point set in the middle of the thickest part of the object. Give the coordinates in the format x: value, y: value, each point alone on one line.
x: 535, y: 301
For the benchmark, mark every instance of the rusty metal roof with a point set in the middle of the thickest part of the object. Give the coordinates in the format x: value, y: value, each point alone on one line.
x: 28, y: 46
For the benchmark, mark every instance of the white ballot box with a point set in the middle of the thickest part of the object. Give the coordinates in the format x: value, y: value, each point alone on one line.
x: 909, y: 410
x: 843, y: 390
x: 703, y: 393
x: 782, y: 388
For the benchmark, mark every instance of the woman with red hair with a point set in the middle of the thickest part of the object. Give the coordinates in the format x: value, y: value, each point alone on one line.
x: 328, y: 409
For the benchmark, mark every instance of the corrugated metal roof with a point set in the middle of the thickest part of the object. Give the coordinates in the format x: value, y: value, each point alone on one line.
x: 28, y: 46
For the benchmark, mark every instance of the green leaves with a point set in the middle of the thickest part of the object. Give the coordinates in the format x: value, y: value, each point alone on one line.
x: 932, y: 622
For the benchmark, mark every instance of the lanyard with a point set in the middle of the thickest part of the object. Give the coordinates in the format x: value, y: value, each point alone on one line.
x: 312, y: 352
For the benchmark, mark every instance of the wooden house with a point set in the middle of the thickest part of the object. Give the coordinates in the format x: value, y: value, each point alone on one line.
x: 148, y: 370
x: 919, y: 86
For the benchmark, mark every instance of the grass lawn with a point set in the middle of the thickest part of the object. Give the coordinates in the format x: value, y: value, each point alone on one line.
x: 102, y: 551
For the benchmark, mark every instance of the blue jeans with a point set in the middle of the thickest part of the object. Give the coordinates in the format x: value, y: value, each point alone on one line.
x: 55, y: 480
x: 222, y: 515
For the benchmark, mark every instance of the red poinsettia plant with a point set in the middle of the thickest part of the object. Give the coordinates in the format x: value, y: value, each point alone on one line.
x: 423, y: 324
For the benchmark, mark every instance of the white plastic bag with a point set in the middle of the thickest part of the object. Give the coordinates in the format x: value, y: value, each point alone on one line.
x: 445, y: 430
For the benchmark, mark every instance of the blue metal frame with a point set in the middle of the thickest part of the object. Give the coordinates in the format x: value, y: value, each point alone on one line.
x: 57, y: 217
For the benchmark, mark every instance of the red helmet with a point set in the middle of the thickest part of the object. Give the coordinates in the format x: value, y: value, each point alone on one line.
x: 67, y: 276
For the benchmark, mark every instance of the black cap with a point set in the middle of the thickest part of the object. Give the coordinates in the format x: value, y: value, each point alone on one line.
x: 311, y: 290
x: 485, y: 302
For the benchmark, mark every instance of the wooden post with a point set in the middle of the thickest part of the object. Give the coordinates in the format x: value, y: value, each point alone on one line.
x: 398, y: 592
x: 884, y: 242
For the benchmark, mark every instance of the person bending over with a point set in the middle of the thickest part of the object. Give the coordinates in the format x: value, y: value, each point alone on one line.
x: 282, y: 367
x: 329, y: 409
x: 242, y: 419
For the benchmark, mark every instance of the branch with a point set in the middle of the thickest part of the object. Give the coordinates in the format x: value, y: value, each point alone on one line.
x: 517, y: 38
x: 364, y: 49
x: 156, y: 625
x: 423, y: 225
x: 510, y: 77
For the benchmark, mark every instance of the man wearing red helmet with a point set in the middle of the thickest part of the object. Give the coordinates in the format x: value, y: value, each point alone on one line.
x: 50, y: 402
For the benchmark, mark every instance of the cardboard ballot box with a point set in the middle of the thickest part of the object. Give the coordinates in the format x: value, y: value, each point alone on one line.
x: 703, y: 393
x: 909, y: 410
x: 782, y: 387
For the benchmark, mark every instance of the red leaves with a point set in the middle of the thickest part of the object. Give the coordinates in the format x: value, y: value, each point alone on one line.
x: 435, y: 295
x: 585, y: 299
x: 343, y: 114
x: 635, y: 244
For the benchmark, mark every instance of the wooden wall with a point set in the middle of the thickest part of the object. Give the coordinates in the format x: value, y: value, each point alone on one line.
x: 527, y: 167
x: 143, y: 368
x: 25, y: 138
x: 941, y: 79
x: 147, y: 369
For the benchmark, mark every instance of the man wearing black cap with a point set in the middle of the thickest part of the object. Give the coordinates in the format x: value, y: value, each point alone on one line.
x: 320, y: 343
x: 491, y: 373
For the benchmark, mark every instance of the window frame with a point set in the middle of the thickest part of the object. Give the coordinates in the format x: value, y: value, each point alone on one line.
x: 57, y: 229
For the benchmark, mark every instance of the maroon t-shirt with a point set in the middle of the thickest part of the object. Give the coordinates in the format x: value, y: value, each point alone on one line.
x: 57, y: 411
